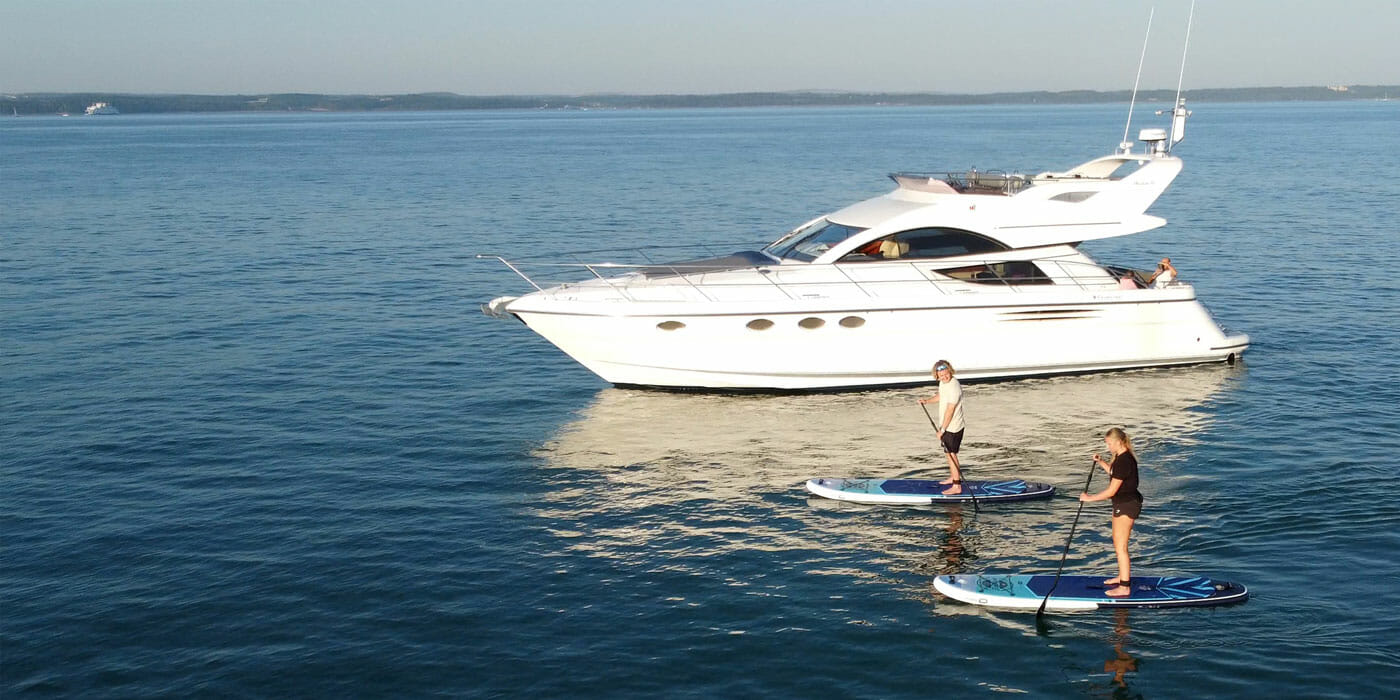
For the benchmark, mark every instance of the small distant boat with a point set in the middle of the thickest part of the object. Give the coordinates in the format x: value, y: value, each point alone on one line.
x: 100, y: 108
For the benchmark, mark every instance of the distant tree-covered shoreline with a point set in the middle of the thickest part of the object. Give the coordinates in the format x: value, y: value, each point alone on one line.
x: 75, y: 103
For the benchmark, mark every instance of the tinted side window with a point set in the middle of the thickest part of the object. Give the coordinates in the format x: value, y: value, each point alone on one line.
x: 945, y: 242
x: 1009, y: 272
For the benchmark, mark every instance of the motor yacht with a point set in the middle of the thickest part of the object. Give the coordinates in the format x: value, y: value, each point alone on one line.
x: 982, y: 269
x: 100, y: 108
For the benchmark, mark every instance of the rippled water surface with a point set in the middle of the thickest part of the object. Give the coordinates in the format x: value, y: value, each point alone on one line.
x: 259, y: 441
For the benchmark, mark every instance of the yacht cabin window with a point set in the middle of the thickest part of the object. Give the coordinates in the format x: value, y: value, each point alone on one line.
x: 807, y: 243
x: 936, y: 242
x: 1072, y: 196
x: 1007, y: 272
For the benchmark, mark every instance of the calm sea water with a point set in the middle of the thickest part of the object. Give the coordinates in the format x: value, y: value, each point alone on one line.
x: 258, y: 441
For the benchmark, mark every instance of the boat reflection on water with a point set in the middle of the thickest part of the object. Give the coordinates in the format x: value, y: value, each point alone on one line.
x: 656, y: 474
x: 733, y: 446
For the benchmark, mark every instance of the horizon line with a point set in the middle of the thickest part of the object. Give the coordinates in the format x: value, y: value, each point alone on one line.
x: 1338, y: 87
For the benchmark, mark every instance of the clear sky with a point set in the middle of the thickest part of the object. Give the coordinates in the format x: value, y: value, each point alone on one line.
x: 494, y: 47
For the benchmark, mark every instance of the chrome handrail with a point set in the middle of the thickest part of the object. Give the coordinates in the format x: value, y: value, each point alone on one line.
x: 693, y: 276
x: 513, y: 268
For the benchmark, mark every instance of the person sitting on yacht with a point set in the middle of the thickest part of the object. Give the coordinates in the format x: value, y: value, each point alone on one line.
x: 1164, y: 275
x: 871, y: 249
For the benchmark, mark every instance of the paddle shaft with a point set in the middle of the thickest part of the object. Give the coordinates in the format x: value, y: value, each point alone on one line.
x: 975, y: 507
x: 1075, y: 524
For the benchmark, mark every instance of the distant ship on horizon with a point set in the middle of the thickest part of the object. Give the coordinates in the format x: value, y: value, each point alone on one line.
x: 100, y: 108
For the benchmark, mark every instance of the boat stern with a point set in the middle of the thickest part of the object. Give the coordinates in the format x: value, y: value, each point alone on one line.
x: 1232, y: 347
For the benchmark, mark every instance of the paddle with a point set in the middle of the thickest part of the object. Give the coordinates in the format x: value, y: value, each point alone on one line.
x: 1041, y: 611
x: 970, y: 492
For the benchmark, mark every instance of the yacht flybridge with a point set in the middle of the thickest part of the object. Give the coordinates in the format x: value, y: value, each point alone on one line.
x: 980, y: 268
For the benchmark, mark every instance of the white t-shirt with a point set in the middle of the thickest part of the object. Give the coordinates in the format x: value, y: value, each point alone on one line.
x: 1163, y: 279
x: 949, y: 394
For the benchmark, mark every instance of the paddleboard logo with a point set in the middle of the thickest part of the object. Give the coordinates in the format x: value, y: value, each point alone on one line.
x: 1004, y: 488
x: 1194, y: 587
x: 999, y: 584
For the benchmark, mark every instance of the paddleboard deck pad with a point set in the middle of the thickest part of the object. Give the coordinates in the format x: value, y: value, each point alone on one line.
x: 1087, y: 592
x: 912, y: 492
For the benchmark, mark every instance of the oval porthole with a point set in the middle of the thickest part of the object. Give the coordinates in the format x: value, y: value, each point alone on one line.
x: 852, y: 322
x: 760, y: 324
x: 670, y: 325
x: 811, y: 322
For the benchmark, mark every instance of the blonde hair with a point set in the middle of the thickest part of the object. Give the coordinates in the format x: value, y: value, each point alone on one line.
x: 945, y: 363
x: 1119, y: 435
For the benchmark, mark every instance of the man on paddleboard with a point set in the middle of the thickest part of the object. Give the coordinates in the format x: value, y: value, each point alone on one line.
x: 950, y: 425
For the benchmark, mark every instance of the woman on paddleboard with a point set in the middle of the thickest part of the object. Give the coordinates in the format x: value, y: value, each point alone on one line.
x: 949, y: 425
x: 1127, y: 504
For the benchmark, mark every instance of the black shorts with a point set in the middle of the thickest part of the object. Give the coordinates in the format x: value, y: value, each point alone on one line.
x: 952, y: 441
x: 1131, y: 508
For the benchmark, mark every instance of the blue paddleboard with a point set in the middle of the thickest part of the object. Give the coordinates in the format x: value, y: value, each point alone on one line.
x: 1087, y: 592
x: 920, y: 492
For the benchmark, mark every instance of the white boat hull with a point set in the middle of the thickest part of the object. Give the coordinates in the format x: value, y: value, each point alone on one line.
x: 1071, y: 332
x: 982, y: 269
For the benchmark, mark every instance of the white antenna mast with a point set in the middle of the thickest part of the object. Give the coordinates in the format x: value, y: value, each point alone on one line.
x: 1127, y: 145
x: 1179, y: 113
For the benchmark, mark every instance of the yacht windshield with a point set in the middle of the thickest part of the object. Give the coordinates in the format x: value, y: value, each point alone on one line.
x: 807, y: 243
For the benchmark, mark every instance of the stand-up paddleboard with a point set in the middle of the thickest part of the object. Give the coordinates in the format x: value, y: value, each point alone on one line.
x: 911, y: 492
x: 1087, y: 592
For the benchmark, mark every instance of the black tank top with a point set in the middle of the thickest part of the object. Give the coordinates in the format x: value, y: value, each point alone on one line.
x: 1125, y: 467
